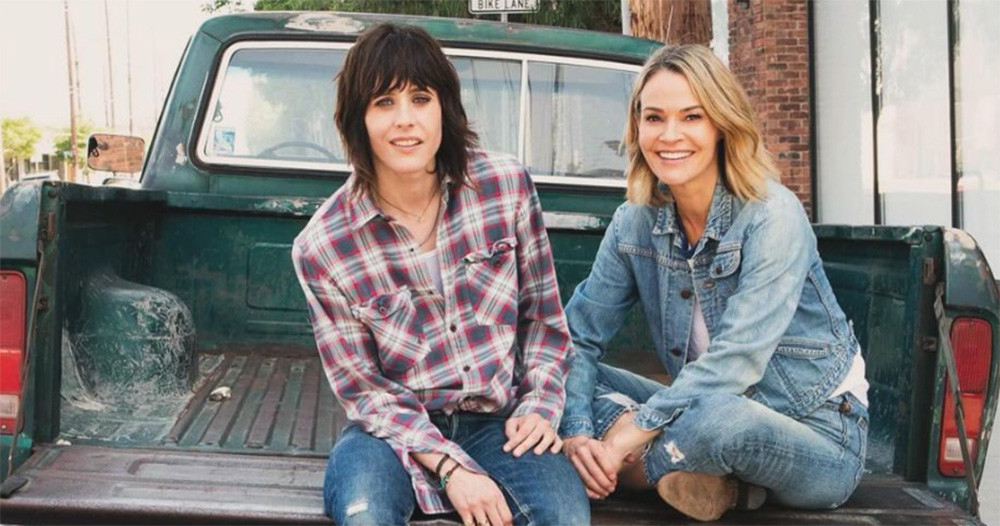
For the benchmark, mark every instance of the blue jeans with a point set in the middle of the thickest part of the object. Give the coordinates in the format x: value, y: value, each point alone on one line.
x: 814, y: 462
x: 366, y: 483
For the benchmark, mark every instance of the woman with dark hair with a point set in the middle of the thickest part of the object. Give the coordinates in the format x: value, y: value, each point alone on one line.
x: 768, y: 398
x: 434, y: 303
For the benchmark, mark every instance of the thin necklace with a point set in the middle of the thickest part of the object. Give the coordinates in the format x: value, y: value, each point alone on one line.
x: 437, y: 217
x: 419, y: 217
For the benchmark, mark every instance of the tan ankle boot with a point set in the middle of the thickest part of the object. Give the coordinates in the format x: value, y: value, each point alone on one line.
x: 698, y: 495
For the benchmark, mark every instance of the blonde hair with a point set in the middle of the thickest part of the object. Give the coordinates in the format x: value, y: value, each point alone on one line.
x: 748, y: 164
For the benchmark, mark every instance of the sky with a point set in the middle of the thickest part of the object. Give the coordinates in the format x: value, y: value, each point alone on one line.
x: 33, y: 65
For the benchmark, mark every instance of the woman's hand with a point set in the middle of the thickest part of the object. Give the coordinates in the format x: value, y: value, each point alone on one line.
x: 598, y: 469
x: 525, y: 432
x: 477, y: 499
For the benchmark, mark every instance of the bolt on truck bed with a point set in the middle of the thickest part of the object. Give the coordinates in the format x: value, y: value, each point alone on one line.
x: 139, y: 304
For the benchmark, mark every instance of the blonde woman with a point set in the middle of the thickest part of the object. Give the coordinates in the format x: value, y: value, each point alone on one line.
x: 768, y: 398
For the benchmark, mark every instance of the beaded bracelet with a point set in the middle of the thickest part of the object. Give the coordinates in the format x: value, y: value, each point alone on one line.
x: 447, y: 476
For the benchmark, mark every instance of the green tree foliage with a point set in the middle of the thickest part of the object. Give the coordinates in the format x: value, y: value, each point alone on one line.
x: 598, y: 15
x: 62, y: 144
x: 225, y: 6
x: 19, y: 138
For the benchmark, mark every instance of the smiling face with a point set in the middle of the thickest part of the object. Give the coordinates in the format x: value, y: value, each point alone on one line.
x: 404, y: 130
x: 677, y: 139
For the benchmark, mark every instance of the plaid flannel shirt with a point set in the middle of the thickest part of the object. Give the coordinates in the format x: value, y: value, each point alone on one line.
x: 394, y: 348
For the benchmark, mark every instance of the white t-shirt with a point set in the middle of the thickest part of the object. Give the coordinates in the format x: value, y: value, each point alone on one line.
x: 430, y: 262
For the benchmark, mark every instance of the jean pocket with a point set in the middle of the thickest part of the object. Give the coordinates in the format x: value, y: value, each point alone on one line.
x: 396, y: 328
x: 830, y: 422
x: 491, y: 275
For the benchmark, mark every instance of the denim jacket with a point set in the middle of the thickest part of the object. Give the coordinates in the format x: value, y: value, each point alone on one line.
x: 778, y: 335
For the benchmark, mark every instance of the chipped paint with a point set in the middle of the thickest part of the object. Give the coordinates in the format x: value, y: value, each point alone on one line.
x: 676, y: 455
x: 356, y: 508
x: 299, y: 207
x: 73, y: 389
x: 328, y: 23
x: 181, y: 159
x: 132, y: 344
x: 571, y: 221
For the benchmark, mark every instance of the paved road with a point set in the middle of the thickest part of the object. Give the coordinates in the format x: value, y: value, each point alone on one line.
x: 989, y: 488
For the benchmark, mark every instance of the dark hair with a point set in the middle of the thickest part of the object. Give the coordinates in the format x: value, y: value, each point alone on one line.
x: 388, y: 57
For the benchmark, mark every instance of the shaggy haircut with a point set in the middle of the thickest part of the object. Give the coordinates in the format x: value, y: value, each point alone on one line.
x: 388, y: 57
x: 744, y: 163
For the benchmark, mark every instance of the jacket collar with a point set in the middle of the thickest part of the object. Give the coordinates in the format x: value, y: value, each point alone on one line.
x: 720, y: 215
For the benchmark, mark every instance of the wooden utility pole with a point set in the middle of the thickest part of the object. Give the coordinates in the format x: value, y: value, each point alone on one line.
x: 673, y: 21
x: 71, y: 172
x: 76, y: 72
x: 111, y: 74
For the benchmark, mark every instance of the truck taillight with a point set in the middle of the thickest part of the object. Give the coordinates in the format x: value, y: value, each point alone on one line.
x: 13, y: 299
x: 971, y: 342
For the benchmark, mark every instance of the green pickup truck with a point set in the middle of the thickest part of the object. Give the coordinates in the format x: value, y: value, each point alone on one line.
x: 157, y: 360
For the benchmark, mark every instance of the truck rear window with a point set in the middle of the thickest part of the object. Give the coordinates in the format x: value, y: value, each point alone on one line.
x: 272, y: 106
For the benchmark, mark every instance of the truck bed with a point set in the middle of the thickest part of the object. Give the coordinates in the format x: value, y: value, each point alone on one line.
x: 259, y: 457
x: 93, y: 484
x: 280, y: 402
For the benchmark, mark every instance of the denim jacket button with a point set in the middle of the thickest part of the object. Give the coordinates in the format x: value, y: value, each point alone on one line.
x: 685, y: 293
x: 675, y: 351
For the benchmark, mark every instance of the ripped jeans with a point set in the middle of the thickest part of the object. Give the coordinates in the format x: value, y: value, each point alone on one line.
x: 367, y: 485
x: 812, y: 463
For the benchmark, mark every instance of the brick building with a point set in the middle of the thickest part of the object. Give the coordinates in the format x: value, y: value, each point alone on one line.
x: 881, y: 112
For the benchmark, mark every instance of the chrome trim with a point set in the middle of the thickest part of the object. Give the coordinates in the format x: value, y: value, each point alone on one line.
x: 579, y: 181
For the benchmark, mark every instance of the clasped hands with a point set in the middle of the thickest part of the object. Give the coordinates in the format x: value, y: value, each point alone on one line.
x: 598, y: 462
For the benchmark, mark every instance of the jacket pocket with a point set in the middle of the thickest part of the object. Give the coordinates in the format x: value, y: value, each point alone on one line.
x: 726, y: 262
x: 491, y: 275
x: 395, y: 327
x: 803, y: 348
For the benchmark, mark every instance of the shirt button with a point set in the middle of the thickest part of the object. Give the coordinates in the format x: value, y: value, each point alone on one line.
x: 675, y: 351
x: 685, y: 293
x: 453, y: 328
x: 466, y: 368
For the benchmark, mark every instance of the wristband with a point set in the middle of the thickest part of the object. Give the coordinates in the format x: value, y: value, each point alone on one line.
x: 447, y: 476
x: 437, y: 470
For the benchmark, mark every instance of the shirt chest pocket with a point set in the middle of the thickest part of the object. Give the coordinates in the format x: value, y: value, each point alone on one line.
x: 724, y: 272
x: 491, y: 277
x: 395, y: 326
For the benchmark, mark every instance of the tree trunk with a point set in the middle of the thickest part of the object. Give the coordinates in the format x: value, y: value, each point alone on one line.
x: 673, y: 21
